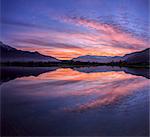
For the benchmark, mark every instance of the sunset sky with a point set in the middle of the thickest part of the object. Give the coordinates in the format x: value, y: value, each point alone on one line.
x: 69, y: 28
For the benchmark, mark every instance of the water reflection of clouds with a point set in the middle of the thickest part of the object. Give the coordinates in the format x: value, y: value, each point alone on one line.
x: 111, y: 94
x: 94, y: 89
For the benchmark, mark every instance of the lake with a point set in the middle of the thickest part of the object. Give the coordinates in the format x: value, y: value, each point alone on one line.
x: 85, y: 101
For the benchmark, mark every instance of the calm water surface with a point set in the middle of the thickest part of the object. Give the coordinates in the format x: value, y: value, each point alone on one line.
x: 92, y: 101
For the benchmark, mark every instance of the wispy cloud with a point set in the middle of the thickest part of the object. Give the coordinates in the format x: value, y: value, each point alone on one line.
x: 18, y: 23
x: 63, y: 44
x: 76, y: 28
x: 108, y: 32
x: 47, y: 44
x: 101, y: 39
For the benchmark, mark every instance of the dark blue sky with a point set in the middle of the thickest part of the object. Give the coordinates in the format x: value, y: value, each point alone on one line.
x: 69, y: 28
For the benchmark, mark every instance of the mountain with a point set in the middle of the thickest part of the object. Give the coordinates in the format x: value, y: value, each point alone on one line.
x: 98, y: 59
x: 11, y: 54
x: 135, y: 57
x: 138, y: 57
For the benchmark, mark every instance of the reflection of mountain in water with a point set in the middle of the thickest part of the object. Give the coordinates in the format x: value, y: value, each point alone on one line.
x: 134, y: 71
x: 10, y: 73
x: 139, y: 72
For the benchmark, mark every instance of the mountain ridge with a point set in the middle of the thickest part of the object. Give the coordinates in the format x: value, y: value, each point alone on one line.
x: 10, y: 54
x: 134, y: 57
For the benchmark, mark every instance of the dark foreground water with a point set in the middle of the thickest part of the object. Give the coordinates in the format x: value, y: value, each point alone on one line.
x: 95, y: 101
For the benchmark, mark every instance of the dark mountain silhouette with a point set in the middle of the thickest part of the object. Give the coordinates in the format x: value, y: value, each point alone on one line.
x: 138, y: 57
x: 135, y: 57
x: 13, y: 55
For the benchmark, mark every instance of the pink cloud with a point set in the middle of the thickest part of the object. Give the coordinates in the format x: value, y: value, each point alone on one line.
x: 108, y: 32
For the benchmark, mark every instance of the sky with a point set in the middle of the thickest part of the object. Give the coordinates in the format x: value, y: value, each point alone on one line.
x: 66, y: 29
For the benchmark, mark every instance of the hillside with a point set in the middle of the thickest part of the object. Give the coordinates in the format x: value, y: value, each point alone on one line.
x: 11, y: 54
